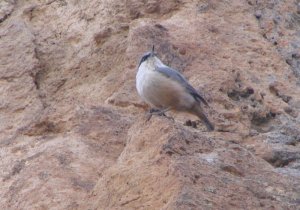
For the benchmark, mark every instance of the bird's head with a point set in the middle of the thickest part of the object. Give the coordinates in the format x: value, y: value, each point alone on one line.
x: 149, y: 57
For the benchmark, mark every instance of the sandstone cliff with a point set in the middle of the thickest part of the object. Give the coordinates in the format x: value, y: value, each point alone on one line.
x: 72, y: 127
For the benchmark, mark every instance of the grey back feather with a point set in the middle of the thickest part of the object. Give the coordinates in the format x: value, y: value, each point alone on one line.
x: 175, y: 75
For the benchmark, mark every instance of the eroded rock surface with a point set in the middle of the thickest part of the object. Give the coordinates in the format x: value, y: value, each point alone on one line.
x: 72, y: 127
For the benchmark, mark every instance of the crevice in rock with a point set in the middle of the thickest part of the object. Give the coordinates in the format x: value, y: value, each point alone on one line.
x: 39, y: 74
x: 282, y: 158
x: 4, y: 17
x: 42, y: 128
x: 236, y: 94
x: 8, y: 10
x: 275, y: 89
x: 232, y: 170
x: 19, y: 166
x: 262, y: 118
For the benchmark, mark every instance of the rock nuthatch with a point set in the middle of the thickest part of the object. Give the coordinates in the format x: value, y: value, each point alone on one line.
x: 166, y: 89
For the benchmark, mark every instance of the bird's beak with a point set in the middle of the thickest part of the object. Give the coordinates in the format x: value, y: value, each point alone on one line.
x: 152, y: 51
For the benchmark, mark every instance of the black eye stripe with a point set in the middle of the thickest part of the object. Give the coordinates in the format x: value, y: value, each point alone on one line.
x: 145, y: 57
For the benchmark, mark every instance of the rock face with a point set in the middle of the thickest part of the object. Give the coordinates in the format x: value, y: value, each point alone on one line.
x: 73, y: 133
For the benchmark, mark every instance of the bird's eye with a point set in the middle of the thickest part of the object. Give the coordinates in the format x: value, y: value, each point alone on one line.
x: 144, y: 58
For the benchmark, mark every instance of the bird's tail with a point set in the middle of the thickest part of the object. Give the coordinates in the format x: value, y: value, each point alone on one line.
x: 199, y: 112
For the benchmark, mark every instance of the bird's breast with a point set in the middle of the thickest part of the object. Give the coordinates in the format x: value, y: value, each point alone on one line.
x: 143, y: 79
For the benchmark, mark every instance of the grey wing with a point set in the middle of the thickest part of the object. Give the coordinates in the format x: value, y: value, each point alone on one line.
x: 175, y: 75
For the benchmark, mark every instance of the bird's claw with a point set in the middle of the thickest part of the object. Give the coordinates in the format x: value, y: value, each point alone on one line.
x: 157, y: 112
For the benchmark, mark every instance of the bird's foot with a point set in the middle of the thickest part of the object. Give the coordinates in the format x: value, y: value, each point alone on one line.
x: 155, y: 111
x: 159, y: 113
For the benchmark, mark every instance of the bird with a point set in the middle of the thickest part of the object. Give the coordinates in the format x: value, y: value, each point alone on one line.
x: 164, y: 89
